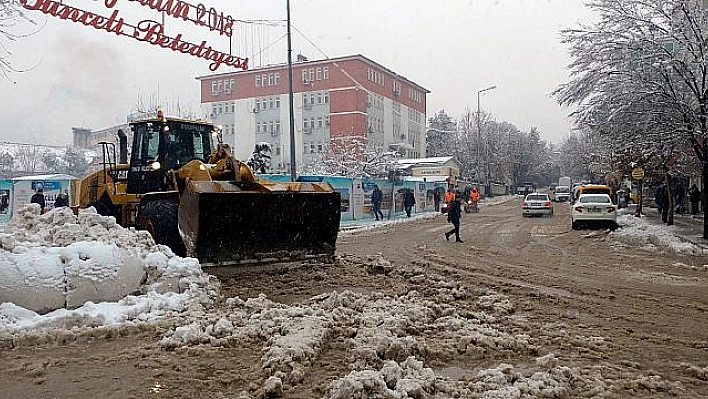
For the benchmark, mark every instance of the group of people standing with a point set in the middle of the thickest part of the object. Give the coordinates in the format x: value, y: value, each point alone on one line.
x: 38, y: 198
x: 661, y: 197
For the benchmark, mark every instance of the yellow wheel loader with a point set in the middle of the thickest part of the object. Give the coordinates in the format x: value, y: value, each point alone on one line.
x: 201, y: 202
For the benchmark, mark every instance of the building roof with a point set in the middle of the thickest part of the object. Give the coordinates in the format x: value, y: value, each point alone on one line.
x: 328, y: 60
x: 432, y: 161
x: 51, y: 177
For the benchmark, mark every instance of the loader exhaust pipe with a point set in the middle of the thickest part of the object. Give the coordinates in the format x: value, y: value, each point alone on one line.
x: 122, y: 147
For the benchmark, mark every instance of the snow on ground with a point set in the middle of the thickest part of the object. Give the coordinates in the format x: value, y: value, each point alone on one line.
x: 88, y: 270
x: 640, y: 232
x: 391, y: 340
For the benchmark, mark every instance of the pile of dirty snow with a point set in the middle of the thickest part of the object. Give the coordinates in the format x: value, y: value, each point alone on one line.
x: 641, y: 233
x: 106, y: 273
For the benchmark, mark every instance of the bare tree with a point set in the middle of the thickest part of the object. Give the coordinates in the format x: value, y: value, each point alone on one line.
x: 11, y: 19
x: 29, y: 157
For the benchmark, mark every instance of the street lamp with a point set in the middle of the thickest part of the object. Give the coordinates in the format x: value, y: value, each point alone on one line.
x: 479, y: 125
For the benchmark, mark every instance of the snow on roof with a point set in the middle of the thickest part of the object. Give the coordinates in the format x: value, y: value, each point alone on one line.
x: 54, y: 176
x: 425, y: 161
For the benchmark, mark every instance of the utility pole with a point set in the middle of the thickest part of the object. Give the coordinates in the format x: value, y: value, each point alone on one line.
x: 479, y: 128
x: 293, y: 169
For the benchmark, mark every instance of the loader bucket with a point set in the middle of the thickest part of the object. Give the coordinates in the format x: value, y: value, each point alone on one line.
x: 226, y: 223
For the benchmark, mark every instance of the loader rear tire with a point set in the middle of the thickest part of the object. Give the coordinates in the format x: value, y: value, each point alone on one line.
x: 159, y: 218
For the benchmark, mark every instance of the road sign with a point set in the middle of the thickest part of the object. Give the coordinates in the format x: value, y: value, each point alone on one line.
x: 638, y: 173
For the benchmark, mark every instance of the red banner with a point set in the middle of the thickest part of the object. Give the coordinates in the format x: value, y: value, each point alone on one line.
x: 147, y: 30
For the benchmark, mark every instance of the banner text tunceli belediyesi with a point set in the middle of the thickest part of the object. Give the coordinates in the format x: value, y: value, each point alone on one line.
x: 148, y: 30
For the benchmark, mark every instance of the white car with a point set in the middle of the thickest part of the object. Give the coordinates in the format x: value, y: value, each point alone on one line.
x: 594, y: 209
x: 536, y: 204
x: 562, y: 193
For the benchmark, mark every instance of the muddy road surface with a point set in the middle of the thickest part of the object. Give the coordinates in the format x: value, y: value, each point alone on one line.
x: 525, y: 307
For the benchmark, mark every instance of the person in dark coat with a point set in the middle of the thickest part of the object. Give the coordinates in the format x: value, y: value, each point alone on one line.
x: 694, y: 196
x: 664, y: 201
x: 436, y: 199
x: 408, y: 201
x: 453, y: 216
x: 38, y: 198
x: 62, y: 200
x: 376, y: 199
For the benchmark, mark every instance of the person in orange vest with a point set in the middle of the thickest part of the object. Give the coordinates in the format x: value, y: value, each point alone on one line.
x: 449, y: 196
x: 474, y: 195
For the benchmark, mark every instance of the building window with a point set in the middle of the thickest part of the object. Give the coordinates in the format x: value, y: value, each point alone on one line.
x: 277, y: 102
x: 326, y: 119
x: 213, y: 110
x: 228, y: 85
x: 264, y: 104
x: 233, y: 108
x: 305, y: 76
x: 312, y: 146
x: 272, y: 103
x: 272, y: 127
x: 319, y: 97
x: 318, y: 75
x: 326, y: 97
x: 258, y: 80
x: 277, y: 78
x: 277, y: 150
x: 277, y: 126
x: 258, y: 127
x: 319, y: 121
x: 312, y: 122
x: 325, y: 73
x: 270, y: 79
x: 214, y: 88
x: 312, y: 74
x: 221, y: 109
x: 305, y: 124
x: 312, y: 98
x: 319, y: 147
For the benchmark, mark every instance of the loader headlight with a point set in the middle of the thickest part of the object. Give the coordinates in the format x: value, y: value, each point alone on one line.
x: 155, y: 165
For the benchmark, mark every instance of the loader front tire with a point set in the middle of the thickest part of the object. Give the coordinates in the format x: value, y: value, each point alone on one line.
x: 159, y: 218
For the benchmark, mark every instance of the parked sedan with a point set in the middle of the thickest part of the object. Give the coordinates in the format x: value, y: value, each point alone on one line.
x: 537, y: 204
x: 594, y: 209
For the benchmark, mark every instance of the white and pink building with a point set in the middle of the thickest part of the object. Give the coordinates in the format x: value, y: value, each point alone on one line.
x: 343, y: 98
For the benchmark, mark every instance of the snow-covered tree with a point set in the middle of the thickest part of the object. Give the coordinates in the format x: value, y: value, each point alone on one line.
x: 259, y: 160
x: 28, y: 157
x: 353, y: 156
x: 441, y: 139
x: 643, y: 64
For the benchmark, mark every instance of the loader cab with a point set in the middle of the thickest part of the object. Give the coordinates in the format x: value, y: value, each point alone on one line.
x: 160, y: 145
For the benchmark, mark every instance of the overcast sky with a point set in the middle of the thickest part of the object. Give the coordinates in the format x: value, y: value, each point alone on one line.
x: 79, y: 76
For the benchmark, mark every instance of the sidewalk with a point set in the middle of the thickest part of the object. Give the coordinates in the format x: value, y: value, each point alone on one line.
x: 688, y: 227
x: 397, y: 218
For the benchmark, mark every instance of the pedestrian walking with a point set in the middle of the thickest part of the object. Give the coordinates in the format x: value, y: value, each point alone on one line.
x: 436, y: 199
x: 408, y: 201
x: 38, y: 198
x: 694, y: 196
x: 376, y: 199
x: 453, y: 216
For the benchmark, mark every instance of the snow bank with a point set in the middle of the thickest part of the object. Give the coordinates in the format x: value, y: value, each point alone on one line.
x: 641, y: 233
x: 59, y: 261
